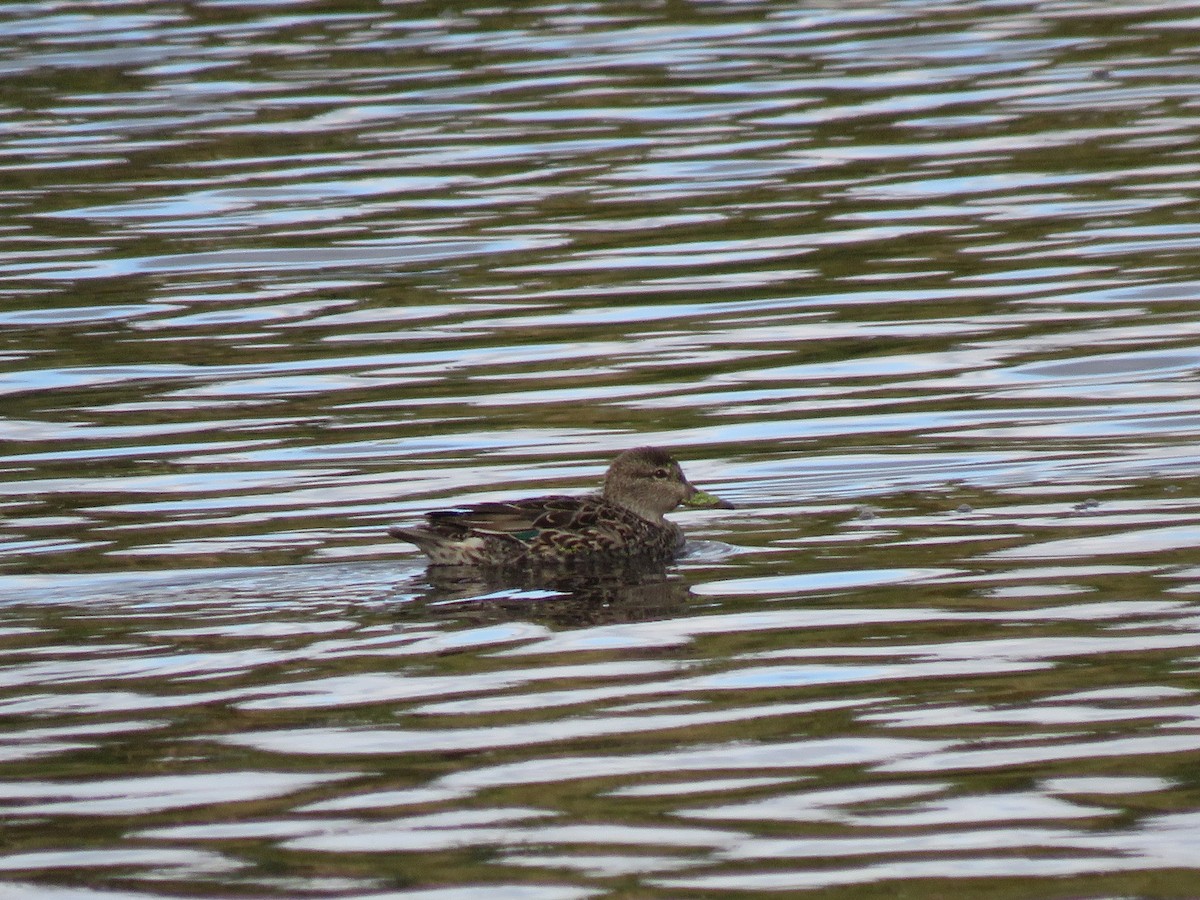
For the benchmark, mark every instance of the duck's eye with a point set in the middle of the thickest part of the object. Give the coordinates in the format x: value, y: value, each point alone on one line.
x: 661, y: 473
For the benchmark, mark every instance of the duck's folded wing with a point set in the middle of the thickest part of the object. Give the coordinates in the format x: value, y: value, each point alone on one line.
x: 521, y: 520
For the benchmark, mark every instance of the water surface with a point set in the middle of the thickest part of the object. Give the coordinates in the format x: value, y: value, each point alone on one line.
x: 912, y: 284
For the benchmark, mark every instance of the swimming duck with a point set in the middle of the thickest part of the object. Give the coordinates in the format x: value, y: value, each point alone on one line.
x: 623, y: 522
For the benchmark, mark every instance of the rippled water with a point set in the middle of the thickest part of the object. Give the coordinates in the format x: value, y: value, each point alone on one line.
x: 914, y: 284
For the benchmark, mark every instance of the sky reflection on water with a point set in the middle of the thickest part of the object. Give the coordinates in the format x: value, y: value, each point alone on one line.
x: 913, y: 286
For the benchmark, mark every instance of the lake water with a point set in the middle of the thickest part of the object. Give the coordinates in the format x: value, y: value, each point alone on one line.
x: 914, y: 284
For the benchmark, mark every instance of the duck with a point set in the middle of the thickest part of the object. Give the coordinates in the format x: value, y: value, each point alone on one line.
x: 623, y: 522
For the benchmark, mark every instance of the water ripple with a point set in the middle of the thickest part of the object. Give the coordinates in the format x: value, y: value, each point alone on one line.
x: 913, y: 286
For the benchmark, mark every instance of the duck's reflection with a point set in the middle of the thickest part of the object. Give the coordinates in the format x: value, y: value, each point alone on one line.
x: 562, y: 598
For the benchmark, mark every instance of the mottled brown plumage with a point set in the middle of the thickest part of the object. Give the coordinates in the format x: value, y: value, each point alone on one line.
x: 624, y: 522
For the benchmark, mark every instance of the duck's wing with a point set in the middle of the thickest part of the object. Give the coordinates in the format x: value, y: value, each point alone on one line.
x: 517, y: 520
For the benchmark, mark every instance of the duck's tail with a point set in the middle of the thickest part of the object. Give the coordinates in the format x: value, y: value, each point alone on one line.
x: 441, y: 550
x: 408, y: 535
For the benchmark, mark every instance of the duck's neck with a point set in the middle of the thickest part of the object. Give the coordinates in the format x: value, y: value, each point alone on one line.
x: 641, y: 509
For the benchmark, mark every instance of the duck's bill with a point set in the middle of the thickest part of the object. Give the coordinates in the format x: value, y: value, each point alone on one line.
x: 705, y: 500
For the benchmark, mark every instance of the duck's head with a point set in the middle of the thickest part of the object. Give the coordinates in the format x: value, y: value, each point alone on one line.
x: 648, y: 481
